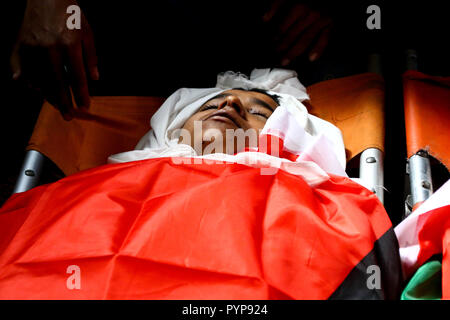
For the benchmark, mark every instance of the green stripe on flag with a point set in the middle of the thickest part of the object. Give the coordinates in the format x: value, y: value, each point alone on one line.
x: 426, y: 284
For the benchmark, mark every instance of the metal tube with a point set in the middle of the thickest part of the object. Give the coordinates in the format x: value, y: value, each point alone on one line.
x: 420, y: 177
x: 371, y: 171
x: 30, y: 172
x: 411, y: 59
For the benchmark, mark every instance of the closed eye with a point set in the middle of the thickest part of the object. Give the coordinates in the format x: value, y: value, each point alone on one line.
x: 208, y: 107
x: 259, y: 114
x: 251, y: 111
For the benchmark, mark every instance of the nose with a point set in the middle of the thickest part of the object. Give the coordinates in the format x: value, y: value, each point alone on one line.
x: 235, y: 103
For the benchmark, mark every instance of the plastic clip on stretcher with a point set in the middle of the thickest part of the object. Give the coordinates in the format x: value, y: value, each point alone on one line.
x: 355, y: 104
x: 427, y: 114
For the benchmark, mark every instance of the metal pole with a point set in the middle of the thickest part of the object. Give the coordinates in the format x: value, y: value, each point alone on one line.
x: 371, y: 171
x: 420, y: 177
x: 419, y: 164
x: 411, y: 59
x: 30, y: 172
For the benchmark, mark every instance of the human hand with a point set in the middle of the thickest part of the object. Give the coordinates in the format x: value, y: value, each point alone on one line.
x: 298, y: 29
x: 54, y: 59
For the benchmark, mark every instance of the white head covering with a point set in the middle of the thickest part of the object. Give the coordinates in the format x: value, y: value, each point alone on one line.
x: 275, y: 80
x: 162, y: 139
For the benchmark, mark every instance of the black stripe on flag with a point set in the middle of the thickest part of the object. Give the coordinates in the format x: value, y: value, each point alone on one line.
x: 361, y: 284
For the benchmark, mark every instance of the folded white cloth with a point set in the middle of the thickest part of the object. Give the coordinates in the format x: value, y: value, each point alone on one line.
x: 312, y: 138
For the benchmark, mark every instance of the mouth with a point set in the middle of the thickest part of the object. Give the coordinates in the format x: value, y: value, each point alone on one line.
x: 225, y: 117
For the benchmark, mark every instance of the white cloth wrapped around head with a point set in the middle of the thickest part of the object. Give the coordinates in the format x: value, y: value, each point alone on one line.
x: 302, y: 132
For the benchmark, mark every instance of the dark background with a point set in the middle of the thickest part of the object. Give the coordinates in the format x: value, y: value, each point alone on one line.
x: 152, y: 49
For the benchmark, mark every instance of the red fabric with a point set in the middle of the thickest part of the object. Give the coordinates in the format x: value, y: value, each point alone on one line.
x: 155, y: 230
x: 434, y: 238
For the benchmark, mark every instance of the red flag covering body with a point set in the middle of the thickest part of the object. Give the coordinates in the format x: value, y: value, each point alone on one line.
x: 154, y: 229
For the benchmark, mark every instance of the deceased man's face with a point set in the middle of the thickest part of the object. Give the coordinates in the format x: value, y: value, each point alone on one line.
x: 228, y: 122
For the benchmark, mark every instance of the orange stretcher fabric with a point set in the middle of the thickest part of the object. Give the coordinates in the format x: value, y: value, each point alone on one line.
x: 354, y: 104
x: 427, y: 115
x: 113, y: 125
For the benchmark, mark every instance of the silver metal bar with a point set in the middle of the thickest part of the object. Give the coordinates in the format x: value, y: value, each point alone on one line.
x: 418, y: 166
x: 420, y: 177
x: 30, y: 172
x: 371, y: 171
x: 411, y: 59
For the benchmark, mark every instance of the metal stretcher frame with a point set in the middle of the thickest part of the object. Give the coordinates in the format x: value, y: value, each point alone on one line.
x: 418, y: 165
x: 30, y: 172
x: 371, y: 163
x: 371, y: 169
